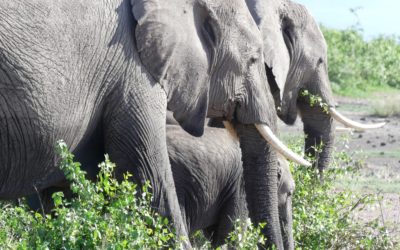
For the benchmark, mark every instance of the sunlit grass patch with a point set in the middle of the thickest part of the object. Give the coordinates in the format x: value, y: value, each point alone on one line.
x: 369, y: 184
x: 392, y: 153
x: 386, y: 107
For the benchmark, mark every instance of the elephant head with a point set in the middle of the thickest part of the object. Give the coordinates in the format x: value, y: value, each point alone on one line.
x: 295, y: 55
x: 208, y: 57
x: 285, y: 191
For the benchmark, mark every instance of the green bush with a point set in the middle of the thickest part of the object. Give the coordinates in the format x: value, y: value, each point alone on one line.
x: 105, y: 215
x: 323, y: 215
x: 357, y: 66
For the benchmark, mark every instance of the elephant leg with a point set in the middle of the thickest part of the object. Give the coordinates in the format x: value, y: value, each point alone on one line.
x: 135, y: 139
x: 210, y: 233
x: 43, y: 202
x: 235, y: 208
x: 90, y: 152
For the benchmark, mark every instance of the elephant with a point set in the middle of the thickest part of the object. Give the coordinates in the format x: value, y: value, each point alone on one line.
x: 101, y: 75
x: 295, y: 56
x: 208, y: 178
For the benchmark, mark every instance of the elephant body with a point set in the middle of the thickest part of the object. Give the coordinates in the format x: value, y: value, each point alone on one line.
x: 295, y: 55
x: 69, y: 85
x: 208, y: 176
x: 76, y: 70
x: 69, y: 70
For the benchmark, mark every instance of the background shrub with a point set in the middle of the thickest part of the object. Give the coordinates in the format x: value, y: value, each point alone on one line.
x: 356, y: 65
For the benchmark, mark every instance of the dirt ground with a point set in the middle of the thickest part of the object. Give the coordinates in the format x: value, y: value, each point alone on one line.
x: 378, y: 155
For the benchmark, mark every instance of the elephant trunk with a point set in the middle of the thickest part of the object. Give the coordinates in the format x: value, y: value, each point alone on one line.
x: 286, y: 218
x: 317, y: 122
x: 260, y: 173
x: 319, y: 132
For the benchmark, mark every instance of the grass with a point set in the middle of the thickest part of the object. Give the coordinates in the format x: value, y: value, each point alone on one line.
x: 381, y: 103
x: 386, y: 107
x: 363, y: 184
x: 384, y: 179
x: 380, y: 153
x: 358, y: 108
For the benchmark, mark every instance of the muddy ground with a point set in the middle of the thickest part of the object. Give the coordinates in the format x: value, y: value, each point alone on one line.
x: 377, y: 154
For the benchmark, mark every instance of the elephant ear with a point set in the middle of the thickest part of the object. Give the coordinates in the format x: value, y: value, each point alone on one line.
x: 171, y: 46
x: 276, y: 54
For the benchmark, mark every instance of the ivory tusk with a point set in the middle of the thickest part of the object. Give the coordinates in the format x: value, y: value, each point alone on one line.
x: 352, y: 124
x: 269, y: 136
x: 343, y: 129
x: 228, y: 125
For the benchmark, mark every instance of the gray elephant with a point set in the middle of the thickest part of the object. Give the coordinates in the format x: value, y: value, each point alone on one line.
x: 295, y: 55
x: 208, y: 179
x: 88, y: 72
x: 285, y: 187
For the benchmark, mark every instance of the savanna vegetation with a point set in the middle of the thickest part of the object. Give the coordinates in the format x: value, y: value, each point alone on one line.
x: 110, y: 215
x: 358, y: 67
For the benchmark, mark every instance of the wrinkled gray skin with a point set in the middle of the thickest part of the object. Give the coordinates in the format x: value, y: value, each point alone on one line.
x: 295, y: 55
x: 71, y: 70
x: 207, y: 172
x: 285, y: 190
x: 208, y: 179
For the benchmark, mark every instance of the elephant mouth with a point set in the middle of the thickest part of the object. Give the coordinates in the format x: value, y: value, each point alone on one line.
x: 340, y: 118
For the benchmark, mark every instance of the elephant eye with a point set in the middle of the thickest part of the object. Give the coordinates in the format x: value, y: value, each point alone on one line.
x: 279, y: 174
x: 253, y: 60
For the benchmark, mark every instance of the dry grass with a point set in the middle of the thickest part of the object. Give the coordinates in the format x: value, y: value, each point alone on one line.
x: 387, y: 106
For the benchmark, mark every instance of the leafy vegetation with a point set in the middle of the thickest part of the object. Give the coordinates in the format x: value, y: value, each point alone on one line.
x: 358, y: 67
x: 314, y: 100
x: 109, y: 215
x: 105, y: 215
x: 324, y: 215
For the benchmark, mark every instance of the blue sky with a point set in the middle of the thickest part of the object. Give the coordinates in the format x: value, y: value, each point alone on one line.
x: 376, y: 16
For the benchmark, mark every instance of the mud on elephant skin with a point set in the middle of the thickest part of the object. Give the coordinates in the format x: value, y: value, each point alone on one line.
x: 295, y: 55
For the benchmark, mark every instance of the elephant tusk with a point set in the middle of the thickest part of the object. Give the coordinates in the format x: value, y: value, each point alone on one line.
x: 228, y: 125
x: 352, y: 124
x: 343, y: 129
x: 269, y: 136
